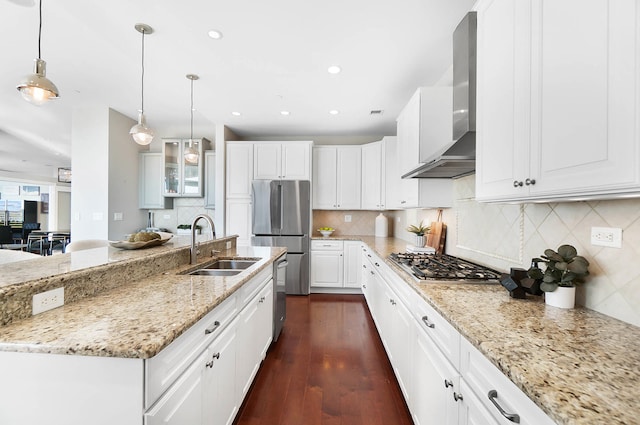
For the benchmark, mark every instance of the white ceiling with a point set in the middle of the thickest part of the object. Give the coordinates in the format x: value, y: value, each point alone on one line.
x: 274, y: 56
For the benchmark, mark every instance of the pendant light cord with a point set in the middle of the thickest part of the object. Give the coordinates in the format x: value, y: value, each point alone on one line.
x: 191, y: 139
x: 142, y: 84
x: 40, y: 30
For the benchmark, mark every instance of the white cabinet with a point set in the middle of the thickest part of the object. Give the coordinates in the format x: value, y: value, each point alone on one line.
x: 434, y: 382
x: 239, y: 220
x: 471, y: 410
x: 352, y: 264
x: 183, y: 177
x: 239, y: 169
x: 210, y: 179
x: 373, y: 176
x: 282, y: 160
x: 336, y: 177
x: 327, y: 263
x: 425, y: 122
x: 150, y: 182
x: 254, y: 335
x: 558, y: 117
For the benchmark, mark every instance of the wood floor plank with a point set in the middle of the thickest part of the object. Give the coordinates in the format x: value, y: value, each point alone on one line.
x: 327, y: 368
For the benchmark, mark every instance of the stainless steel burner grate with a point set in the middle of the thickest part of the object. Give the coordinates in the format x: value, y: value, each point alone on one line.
x: 444, y: 267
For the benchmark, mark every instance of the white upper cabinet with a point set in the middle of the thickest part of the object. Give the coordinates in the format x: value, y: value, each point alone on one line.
x: 210, y: 179
x: 183, y: 177
x: 373, y: 176
x: 239, y: 169
x: 282, y: 160
x: 558, y: 111
x: 336, y: 177
x: 150, y: 182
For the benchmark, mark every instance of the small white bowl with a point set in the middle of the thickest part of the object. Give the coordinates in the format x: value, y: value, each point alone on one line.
x: 326, y: 233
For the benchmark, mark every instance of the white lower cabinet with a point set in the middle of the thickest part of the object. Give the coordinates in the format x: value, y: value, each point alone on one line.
x: 444, y: 379
x: 336, y: 265
x: 434, y: 382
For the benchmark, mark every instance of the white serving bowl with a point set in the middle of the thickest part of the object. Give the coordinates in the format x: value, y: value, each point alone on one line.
x: 326, y: 233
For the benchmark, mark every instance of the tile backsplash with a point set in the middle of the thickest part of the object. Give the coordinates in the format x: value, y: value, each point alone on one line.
x: 509, y: 235
x: 362, y: 222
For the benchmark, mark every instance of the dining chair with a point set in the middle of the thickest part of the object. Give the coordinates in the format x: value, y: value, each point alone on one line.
x: 6, y: 236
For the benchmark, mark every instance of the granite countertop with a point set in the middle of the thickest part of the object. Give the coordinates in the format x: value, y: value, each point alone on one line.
x: 136, y: 319
x: 579, y: 366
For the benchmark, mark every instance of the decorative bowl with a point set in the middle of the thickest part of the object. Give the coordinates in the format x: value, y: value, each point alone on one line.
x: 326, y: 233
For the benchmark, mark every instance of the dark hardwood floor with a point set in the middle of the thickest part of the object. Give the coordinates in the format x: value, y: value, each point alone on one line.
x: 328, y: 368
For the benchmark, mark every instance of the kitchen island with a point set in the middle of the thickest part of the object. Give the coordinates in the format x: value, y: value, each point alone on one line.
x: 116, y: 356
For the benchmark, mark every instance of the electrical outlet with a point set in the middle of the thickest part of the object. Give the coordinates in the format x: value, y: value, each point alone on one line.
x: 48, y: 300
x: 166, y: 216
x: 117, y: 216
x: 347, y: 218
x: 606, y: 236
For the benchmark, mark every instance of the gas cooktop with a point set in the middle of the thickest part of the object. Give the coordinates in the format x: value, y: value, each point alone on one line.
x: 444, y: 267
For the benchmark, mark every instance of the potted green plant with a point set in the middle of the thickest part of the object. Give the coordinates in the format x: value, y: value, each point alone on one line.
x: 419, y: 230
x: 185, y: 229
x: 564, y: 269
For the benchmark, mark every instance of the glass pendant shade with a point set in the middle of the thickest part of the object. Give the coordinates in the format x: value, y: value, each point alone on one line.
x: 191, y: 154
x: 141, y: 134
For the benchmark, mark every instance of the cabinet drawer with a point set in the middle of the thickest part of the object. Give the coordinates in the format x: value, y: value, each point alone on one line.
x: 251, y: 288
x: 445, y: 336
x: 319, y: 245
x: 164, y: 368
x: 484, y: 378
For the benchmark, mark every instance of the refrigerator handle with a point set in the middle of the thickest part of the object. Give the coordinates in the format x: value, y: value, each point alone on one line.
x: 279, y: 211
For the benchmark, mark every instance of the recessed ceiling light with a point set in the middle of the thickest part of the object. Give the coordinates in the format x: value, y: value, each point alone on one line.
x: 215, y: 34
x: 334, y: 112
x: 334, y: 69
x: 284, y: 112
x: 236, y: 113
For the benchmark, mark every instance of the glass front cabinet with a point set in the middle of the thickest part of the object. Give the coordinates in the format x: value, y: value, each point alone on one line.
x: 183, y: 174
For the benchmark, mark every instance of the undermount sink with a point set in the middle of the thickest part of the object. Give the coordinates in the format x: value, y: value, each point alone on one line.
x: 215, y: 272
x: 224, y: 268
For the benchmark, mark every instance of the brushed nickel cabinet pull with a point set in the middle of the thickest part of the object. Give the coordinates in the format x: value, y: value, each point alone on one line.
x: 513, y: 417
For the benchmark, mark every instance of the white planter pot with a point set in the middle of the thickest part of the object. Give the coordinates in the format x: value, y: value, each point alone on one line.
x: 562, y: 297
x: 419, y: 241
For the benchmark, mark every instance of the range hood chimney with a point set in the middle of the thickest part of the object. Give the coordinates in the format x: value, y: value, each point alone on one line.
x: 458, y: 157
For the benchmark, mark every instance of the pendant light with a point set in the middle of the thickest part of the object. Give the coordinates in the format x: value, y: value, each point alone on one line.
x: 142, y: 134
x: 36, y: 88
x: 191, y: 154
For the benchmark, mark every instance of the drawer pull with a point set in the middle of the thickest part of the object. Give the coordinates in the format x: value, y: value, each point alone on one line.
x: 457, y: 397
x: 448, y: 383
x: 213, y: 328
x: 426, y: 321
x: 513, y: 417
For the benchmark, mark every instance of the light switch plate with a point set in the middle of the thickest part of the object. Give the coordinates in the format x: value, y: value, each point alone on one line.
x: 347, y: 218
x: 606, y: 236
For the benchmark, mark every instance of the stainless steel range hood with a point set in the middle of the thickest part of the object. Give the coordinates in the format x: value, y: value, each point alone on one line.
x: 458, y: 158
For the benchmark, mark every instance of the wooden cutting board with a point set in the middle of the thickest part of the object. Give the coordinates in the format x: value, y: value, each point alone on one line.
x: 436, y: 236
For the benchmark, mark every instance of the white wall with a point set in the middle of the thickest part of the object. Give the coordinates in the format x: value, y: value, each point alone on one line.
x: 105, y: 177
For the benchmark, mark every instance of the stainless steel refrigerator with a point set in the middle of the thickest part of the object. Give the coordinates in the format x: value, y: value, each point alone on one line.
x: 281, y: 217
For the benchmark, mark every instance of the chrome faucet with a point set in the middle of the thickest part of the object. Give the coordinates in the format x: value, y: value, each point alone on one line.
x: 194, y: 247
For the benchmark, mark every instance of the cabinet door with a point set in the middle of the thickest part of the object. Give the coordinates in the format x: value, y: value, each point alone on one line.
x: 239, y: 220
x: 471, y: 410
x: 327, y: 269
x: 372, y: 176
x: 585, y: 109
x: 352, y: 264
x: 254, y: 336
x: 433, y: 385
x: 191, y: 184
x: 296, y: 161
x: 220, y: 400
x: 267, y: 161
x: 210, y: 180
x: 324, y: 178
x: 349, y: 177
x: 171, y: 152
x: 503, y: 99
x: 408, y: 152
x: 183, y: 402
x: 150, y: 184
x: 239, y: 170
